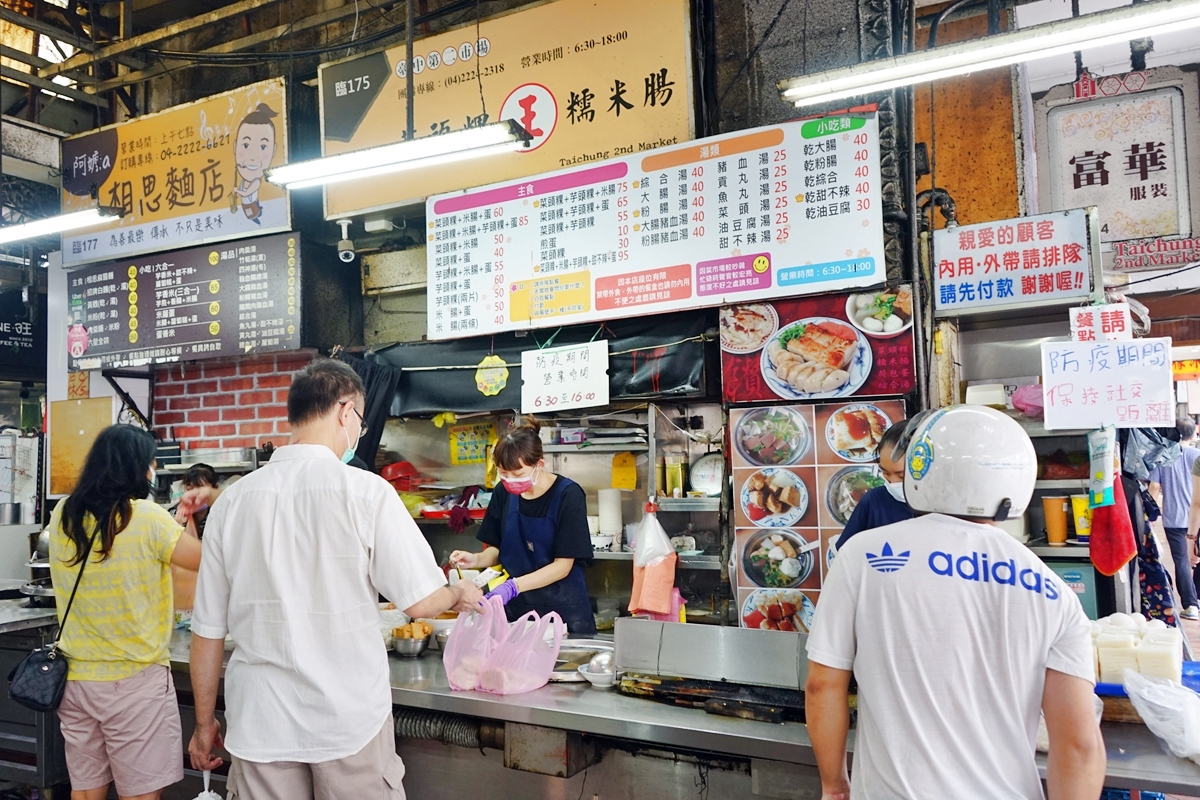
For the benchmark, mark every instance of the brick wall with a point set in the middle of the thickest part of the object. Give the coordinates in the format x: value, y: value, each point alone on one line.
x: 223, y: 403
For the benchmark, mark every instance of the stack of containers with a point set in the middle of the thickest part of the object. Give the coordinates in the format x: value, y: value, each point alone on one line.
x: 610, y: 514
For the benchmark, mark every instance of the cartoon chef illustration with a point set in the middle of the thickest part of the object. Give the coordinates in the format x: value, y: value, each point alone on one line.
x: 253, y: 149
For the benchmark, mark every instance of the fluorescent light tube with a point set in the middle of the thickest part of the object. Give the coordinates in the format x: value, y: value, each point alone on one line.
x: 1012, y: 47
x: 58, y: 224
x: 497, y: 137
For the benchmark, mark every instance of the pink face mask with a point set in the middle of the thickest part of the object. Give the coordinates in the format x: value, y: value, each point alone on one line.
x: 522, y: 485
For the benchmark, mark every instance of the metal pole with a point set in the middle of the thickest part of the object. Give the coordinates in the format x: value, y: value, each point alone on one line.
x: 408, y: 73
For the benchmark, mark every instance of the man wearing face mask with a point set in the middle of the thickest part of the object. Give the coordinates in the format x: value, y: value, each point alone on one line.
x: 300, y: 551
x: 885, y: 504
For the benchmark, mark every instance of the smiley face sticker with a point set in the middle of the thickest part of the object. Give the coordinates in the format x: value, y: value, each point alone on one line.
x: 761, y: 264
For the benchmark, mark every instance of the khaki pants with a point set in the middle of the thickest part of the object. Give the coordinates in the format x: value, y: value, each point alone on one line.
x: 373, y: 773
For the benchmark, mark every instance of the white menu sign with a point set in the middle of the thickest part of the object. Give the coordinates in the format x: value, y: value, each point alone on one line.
x: 571, y: 376
x: 1011, y: 262
x: 1091, y: 384
x: 1110, y: 322
x: 778, y: 211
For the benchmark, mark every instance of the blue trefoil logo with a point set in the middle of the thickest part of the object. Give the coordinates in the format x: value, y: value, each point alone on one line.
x: 887, y: 561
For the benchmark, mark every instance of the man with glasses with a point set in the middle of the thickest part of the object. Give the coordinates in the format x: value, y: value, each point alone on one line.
x: 295, y: 557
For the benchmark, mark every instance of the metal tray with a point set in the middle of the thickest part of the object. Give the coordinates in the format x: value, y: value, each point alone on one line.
x: 575, y: 653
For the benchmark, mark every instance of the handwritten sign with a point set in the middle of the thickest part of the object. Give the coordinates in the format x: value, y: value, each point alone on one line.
x: 1012, y: 262
x: 778, y: 211
x: 573, y: 376
x: 1090, y: 384
x: 1110, y: 322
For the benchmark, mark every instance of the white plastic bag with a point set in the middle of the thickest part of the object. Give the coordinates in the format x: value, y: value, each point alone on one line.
x: 1171, y: 712
x: 652, y: 542
x: 208, y: 794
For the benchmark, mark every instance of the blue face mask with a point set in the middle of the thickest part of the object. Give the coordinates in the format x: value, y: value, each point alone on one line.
x: 348, y: 456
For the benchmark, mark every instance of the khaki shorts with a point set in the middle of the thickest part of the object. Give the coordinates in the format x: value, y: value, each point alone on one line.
x: 125, y: 731
x: 373, y: 773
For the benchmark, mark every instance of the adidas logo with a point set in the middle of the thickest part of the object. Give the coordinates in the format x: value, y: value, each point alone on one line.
x: 887, y: 561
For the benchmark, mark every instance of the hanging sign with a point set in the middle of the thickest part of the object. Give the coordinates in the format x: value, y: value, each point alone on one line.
x: 491, y: 376
x: 1186, y: 370
x: 589, y: 80
x: 574, y: 376
x: 206, y: 302
x: 1110, y: 322
x: 1028, y: 261
x: 1093, y: 384
x: 777, y: 211
x: 188, y: 175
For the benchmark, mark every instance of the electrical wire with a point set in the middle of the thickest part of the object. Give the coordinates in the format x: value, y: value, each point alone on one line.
x: 766, y: 35
x: 1160, y: 277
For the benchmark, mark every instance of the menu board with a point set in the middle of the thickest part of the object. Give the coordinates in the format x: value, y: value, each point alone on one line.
x: 798, y: 473
x: 204, y: 302
x: 819, y: 348
x: 778, y: 211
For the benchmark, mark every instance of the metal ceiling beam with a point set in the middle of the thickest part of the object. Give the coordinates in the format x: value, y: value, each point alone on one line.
x: 62, y: 35
x: 237, y: 45
x: 23, y: 57
x: 152, y: 37
x: 50, y: 86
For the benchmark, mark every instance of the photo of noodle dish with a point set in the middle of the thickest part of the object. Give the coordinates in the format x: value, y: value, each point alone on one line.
x: 853, y: 432
x: 773, y: 559
x: 847, y: 488
x: 745, y: 329
x: 814, y: 358
x: 778, y: 610
x: 774, y: 498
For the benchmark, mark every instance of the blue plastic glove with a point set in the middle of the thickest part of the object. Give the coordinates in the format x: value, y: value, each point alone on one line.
x: 505, y: 591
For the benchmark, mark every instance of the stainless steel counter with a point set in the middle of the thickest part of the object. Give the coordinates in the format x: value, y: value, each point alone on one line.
x: 1135, y: 758
x: 15, y: 617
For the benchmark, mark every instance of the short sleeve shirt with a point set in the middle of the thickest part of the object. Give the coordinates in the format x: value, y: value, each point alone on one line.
x: 124, y: 610
x: 949, y: 627
x: 571, y: 538
x: 295, y: 557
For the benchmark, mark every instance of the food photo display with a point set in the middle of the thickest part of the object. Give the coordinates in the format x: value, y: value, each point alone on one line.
x: 819, y: 348
x: 799, y: 471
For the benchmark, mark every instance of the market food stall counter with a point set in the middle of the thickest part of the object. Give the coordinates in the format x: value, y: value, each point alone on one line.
x: 1135, y: 757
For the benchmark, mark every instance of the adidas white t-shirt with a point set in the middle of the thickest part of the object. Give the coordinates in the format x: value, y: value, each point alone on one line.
x: 949, y: 627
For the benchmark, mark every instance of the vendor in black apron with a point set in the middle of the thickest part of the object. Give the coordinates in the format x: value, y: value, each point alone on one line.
x: 536, y: 527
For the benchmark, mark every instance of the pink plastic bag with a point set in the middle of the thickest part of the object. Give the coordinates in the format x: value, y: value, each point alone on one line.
x: 472, y: 639
x: 524, y: 660
x: 1029, y: 400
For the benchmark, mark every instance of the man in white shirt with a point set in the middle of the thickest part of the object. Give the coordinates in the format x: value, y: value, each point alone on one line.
x: 295, y: 556
x: 957, y: 635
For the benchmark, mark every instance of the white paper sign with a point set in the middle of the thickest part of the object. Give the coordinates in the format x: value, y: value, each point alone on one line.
x: 1011, y: 262
x: 1104, y: 323
x: 1091, y: 384
x: 572, y: 376
x: 784, y: 210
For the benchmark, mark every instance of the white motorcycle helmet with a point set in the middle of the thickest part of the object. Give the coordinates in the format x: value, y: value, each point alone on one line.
x: 968, y: 461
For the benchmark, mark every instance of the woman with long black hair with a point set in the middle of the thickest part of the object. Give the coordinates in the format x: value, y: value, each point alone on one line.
x: 119, y: 714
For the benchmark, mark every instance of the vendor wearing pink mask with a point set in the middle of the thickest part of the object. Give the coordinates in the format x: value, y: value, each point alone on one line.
x: 536, y: 527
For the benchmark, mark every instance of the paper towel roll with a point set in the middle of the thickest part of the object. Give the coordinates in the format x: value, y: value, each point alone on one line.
x: 610, y: 511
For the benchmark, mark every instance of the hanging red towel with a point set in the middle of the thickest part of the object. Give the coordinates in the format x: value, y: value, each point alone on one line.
x: 1112, y: 544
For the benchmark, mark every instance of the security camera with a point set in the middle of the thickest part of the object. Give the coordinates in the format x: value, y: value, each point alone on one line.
x: 345, y: 246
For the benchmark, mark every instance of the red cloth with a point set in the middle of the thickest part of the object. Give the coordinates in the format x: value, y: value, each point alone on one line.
x: 1112, y: 543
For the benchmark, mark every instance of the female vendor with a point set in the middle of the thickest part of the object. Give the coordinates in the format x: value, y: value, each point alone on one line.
x: 536, y: 527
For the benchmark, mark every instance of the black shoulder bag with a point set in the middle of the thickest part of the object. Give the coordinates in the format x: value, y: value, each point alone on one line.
x: 38, y: 682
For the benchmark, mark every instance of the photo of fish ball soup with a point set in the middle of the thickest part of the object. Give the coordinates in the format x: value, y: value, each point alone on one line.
x: 778, y: 559
x: 884, y: 313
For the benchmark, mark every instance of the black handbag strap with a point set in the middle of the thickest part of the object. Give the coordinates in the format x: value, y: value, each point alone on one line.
x: 75, y: 588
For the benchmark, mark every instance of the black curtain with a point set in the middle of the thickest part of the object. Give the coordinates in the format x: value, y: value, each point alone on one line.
x: 380, y: 381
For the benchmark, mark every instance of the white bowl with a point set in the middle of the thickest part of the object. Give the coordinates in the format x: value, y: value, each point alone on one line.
x: 601, y: 680
x: 602, y: 541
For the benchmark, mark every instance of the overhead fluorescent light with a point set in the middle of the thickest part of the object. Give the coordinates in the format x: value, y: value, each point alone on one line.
x: 1004, y: 49
x: 498, y: 137
x: 60, y: 224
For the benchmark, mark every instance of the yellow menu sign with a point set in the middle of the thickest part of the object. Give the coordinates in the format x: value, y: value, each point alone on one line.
x: 589, y: 80
x: 188, y: 175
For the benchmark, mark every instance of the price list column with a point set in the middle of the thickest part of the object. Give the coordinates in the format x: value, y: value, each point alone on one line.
x: 458, y: 279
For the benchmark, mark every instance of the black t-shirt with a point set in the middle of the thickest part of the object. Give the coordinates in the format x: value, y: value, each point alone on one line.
x: 571, y: 539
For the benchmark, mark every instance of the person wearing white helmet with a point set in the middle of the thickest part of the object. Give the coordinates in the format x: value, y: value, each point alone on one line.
x: 957, y: 634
